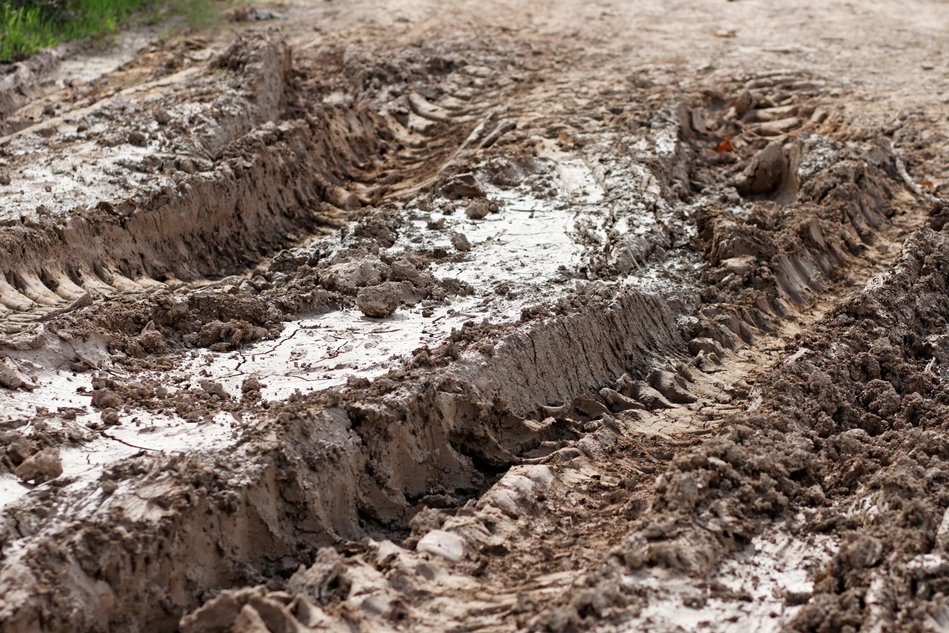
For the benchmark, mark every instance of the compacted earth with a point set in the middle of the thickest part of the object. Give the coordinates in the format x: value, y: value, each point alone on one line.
x: 405, y: 315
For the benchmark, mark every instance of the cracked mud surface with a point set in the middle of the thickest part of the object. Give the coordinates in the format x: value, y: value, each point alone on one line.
x: 382, y: 316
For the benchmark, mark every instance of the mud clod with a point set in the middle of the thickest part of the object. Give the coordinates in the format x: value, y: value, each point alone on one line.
x: 380, y: 301
x: 766, y: 172
x: 460, y: 242
x: 40, y: 467
x: 478, y: 210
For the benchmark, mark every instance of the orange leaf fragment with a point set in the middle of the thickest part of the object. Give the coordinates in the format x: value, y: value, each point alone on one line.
x: 927, y: 184
x: 725, y: 146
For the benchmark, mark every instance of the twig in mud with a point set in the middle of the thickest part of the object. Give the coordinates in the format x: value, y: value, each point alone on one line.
x: 129, y: 444
x: 914, y: 187
x: 277, y: 344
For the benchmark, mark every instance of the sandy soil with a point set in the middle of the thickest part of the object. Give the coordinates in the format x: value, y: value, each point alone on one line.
x: 503, y: 316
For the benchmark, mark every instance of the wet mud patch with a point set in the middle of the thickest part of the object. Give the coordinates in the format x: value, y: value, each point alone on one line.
x: 502, y: 345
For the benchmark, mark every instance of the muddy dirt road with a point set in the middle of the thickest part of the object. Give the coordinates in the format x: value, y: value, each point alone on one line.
x: 550, y: 316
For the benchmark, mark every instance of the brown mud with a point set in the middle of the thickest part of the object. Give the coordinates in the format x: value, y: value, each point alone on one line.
x: 394, y: 318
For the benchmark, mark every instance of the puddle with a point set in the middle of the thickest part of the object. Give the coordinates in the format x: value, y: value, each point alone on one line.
x: 526, y: 253
x: 11, y: 489
x: 92, y: 65
x: 521, y: 244
x: 317, y: 353
x: 60, y: 404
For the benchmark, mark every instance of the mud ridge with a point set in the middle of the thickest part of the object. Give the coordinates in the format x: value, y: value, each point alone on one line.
x: 264, y: 190
x: 447, y: 433
x: 22, y: 81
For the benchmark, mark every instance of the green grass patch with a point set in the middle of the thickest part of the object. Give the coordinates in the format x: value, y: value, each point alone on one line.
x: 24, y: 30
x: 29, y: 25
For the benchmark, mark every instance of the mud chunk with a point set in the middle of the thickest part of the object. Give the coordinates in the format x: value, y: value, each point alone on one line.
x: 138, y: 138
x: 162, y: 117
x: 4, y: 180
x: 704, y: 345
x: 349, y: 276
x: 742, y: 104
x: 776, y: 128
x: 325, y: 581
x: 589, y: 406
x: 106, y: 399
x: 185, y: 164
x: 668, y: 384
x: 339, y: 197
x: 617, y: 401
x: 251, y: 385
x: 462, y: 186
x: 379, y: 301
x: 213, y: 388
x: 739, y: 265
x: 555, y: 411
x: 765, y: 173
x: 624, y: 385
x: 242, y: 610
x: 684, y: 371
x: 448, y: 545
x: 110, y: 417
x: 460, y: 242
x: 12, y: 378
x: 404, y: 270
x: 864, y: 551
x: 40, y: 467
x: 478, y: 210
x: 151, y: 341
x: 649, y: 397
x: 16, y: 447
x: 939, y: 215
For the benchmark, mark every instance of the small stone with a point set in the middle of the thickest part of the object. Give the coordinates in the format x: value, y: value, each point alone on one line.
x: 4, y: 180
x: 478, y: 210
x: 41, y: 466
x: 441, y: 543
x: 460, y: 242
x: 162, y: 117
x: 741, y: 265
x: 379, y: 301
x: 49, y: 109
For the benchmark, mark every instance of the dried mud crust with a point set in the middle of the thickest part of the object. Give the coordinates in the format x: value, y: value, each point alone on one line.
x: 601, y: 434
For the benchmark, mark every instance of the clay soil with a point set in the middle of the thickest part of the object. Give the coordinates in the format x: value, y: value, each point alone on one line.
x: 480, y: 316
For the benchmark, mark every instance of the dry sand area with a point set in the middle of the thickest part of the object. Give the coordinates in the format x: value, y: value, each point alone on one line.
x: 482, y: 315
